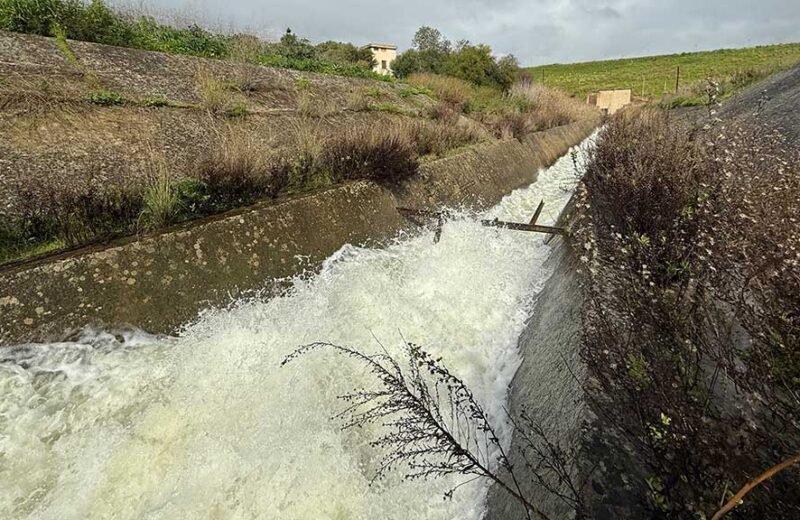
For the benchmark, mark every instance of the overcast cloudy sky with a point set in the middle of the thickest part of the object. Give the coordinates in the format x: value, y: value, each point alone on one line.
x: 536, y: 31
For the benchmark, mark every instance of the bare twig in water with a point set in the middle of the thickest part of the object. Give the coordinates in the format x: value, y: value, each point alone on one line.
x: 436, y: 427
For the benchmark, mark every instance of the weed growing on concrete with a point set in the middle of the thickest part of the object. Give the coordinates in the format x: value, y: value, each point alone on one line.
x: 407, y: 91
x: 236, y: 172
x: 215, y: 94
x: 375, y: 92
x: 238, y: 109
x: 389, y: 108
x: 161, y: 199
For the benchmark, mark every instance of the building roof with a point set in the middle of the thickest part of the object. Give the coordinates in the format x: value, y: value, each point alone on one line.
x: 381, y: 46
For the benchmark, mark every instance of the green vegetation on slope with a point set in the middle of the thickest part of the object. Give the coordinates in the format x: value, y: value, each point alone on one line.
x: 655, y: 76
x: 432, y: 53
x: 96, y: 22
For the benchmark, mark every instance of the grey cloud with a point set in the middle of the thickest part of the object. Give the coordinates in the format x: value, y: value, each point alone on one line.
x: 536, y: 31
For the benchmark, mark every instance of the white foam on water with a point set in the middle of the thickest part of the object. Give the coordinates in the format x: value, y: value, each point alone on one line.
x: 208, y: 425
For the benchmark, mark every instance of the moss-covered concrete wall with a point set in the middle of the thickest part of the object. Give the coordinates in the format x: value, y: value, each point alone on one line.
x: 160, y: 282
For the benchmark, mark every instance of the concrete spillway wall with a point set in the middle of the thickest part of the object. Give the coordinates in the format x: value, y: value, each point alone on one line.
x: 159, y: 282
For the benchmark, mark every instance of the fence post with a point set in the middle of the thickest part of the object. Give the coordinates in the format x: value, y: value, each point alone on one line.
x: 677, y: 79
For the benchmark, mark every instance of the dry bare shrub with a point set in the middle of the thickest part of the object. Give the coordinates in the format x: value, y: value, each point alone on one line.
x: 549, y: 107
x: 434, y: 427
x: 673, y: 266
x: 237, y: 170
x: 757, y: 264
x: 383, y: 154
x: 436, y: 138
x: 514, y: 125
x: 444, y: 112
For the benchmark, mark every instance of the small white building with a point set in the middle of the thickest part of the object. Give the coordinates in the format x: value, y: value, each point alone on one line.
x: 384, y: 55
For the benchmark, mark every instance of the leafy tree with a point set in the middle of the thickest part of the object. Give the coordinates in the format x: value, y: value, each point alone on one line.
x: 507, y: 71
x: 433, y: 53
x: 472, y: 63
x: 345, y: 53
x: 295, y: 48
x: 428, y: 39
x: 407, y: 63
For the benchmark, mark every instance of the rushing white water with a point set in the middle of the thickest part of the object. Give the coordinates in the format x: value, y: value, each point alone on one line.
x: 208, y: 425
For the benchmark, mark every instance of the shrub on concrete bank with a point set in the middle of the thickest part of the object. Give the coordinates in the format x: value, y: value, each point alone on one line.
x: 371, y: 152
x: 676, y: 258
x: 75, y: 214
x: 236, y: 172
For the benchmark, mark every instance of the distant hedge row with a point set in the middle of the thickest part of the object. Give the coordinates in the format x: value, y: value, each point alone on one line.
x: 95, y: 21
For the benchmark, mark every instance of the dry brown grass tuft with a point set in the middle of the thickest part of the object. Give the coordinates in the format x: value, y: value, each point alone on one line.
x: 549, y: 107
x: 444, y: 112
x: 383, y: 154
x: 220, y: 97
x: 238, y: 170
x: 437, y: 139
x: 311, y: 105
x: 450, y: 90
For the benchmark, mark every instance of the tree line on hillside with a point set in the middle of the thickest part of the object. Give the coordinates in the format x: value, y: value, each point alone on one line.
x: 433, y: 53
x: 95, y: 21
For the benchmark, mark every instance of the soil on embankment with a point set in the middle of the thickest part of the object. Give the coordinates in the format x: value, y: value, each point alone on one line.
x: 159, y: 282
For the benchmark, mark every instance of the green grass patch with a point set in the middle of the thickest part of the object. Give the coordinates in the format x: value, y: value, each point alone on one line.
x: 14, y: 250
x: 655, y: 76
x: 106, y: 98
x: 375, y: 92
x: 155, y: 102
x: 390, y: 108
x: 237, y: 110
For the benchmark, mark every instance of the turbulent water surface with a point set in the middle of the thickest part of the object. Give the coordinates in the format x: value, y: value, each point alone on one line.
x: 208, y: 425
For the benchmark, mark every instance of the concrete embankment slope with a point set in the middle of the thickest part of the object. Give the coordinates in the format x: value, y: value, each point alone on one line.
x: 159, y: 282
x: 775, y: 101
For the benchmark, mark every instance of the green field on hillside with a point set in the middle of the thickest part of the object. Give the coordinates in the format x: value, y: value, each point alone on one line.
x: 654, y: 76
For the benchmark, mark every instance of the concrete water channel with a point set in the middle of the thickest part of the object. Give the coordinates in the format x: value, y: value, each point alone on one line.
x: 119, y: 423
